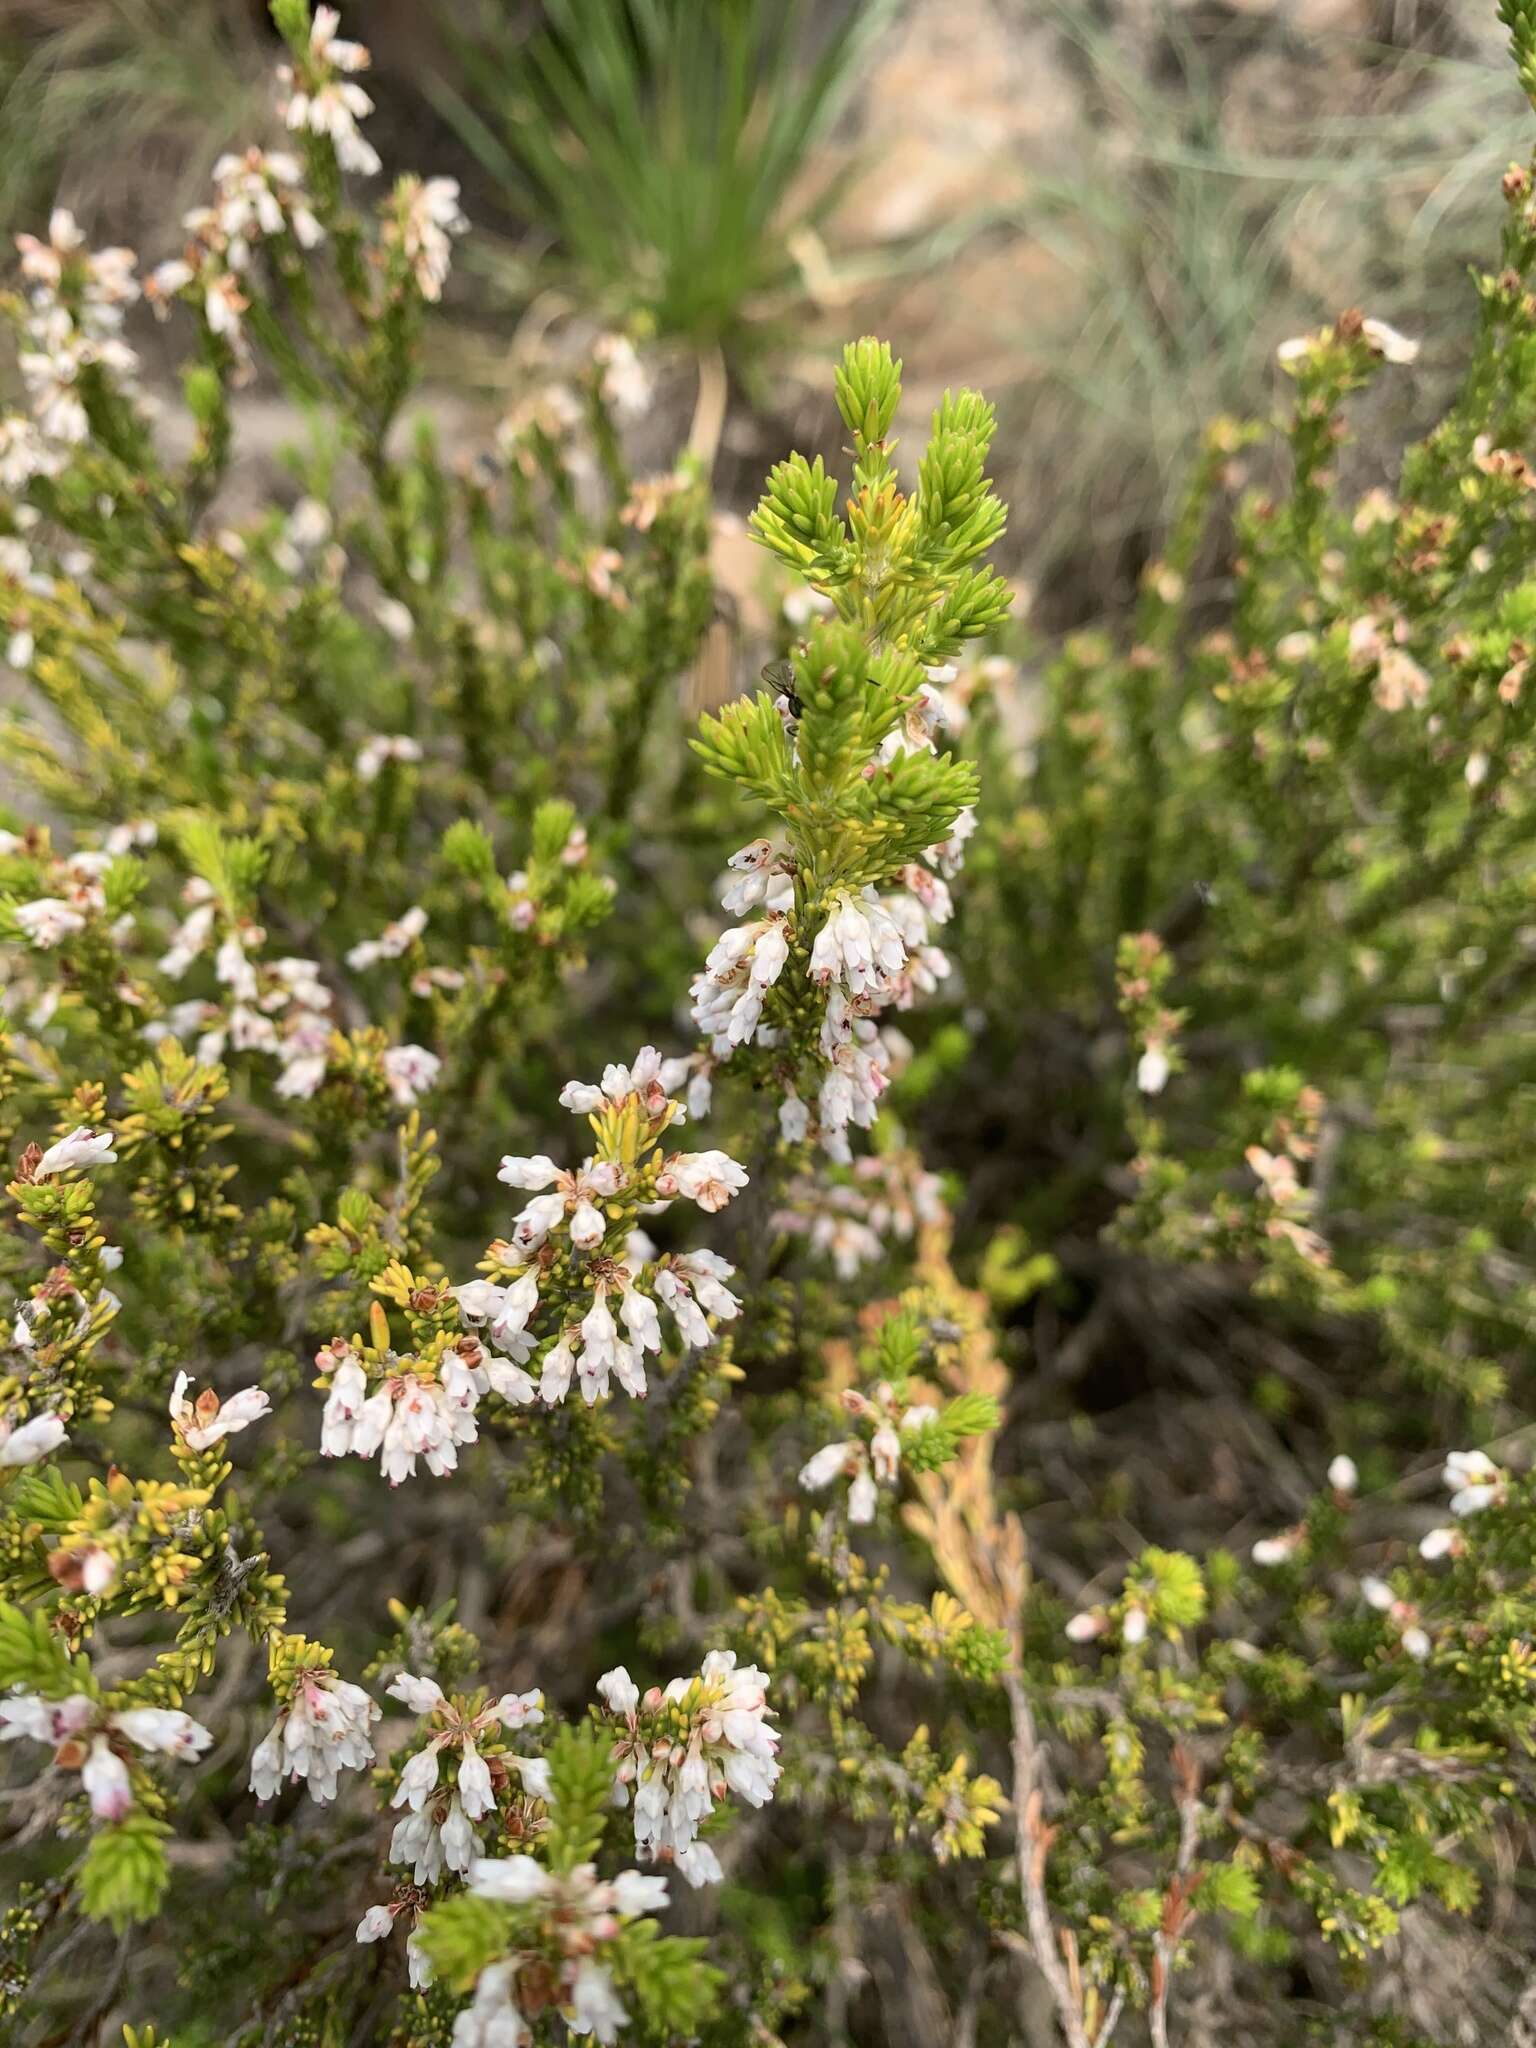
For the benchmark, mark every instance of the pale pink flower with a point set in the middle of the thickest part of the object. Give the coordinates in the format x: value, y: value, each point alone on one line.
x: 207, y: 1420
x: 83, y: 1147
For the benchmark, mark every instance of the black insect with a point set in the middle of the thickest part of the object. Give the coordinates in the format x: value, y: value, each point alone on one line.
x: 780, y: 676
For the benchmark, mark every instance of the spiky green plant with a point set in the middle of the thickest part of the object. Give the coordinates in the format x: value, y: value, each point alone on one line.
x: 663, y: 148
x: 123, y: 103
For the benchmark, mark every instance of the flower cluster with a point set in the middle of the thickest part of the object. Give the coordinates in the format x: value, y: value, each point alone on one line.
x: 321, y: 97
x: 682, y: 1749
x: 261, y: 198
x: 1377, y: 336
x: 321, y: 1730
x: 438, y: 1830
x: 1143, y: 969
x: 282, y: 1007
x: 746, y: 961
x: 1288, y: 1204
x: 1475, y: 1482
x: 872, y: 1462
x: 73, y: 334
x: 397, y: 938
x: 99, y: 1742
x: 1343, y: 1480
x: 871, y: 951
x: 426, y: 221
x: 576, y: 1246
x: 575, y: 1290
x: 408, y: 1406
x: 379, y: 1922
x: 258, y: 197
x: 75, y: 898
x: 1401, y: 1615
x: 860, y: 1219
x: 565, y: 1924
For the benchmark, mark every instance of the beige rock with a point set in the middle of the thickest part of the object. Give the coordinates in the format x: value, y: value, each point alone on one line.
x: 962, y: 97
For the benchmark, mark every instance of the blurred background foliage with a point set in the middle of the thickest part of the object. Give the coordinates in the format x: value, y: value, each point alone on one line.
x: 1106, y: 215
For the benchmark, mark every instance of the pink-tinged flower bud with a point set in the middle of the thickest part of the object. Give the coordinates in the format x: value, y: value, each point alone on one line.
x: 375, y: 1924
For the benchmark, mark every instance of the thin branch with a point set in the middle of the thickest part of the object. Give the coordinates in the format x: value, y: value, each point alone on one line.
x: 1176, y: 1907
x: 1111, y: 2019
x: 1034, y: 1839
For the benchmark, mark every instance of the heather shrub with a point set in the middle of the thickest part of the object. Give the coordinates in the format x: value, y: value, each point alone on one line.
x: 706, y: 1591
